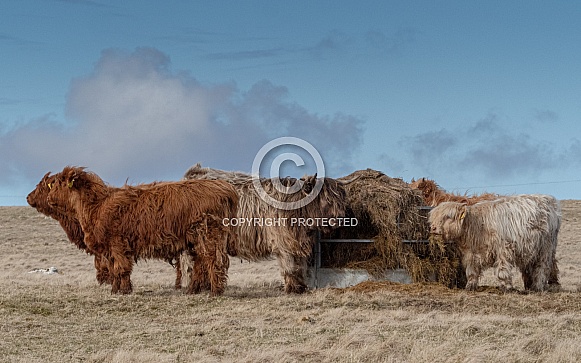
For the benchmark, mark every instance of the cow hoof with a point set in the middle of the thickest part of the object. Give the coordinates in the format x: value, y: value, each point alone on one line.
x: 507, y: 289
x: 295, y: 289
x: 471, y: 287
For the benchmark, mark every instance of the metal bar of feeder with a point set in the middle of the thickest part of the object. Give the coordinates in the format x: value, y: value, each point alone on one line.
x: 347, y: 240
x: 317, y: 258
x: 369, y: 241
x: 415, y: 241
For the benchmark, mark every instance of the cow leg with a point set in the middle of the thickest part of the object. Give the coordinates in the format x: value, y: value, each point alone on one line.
x: 178, y: 267
x: 539, y: 277
x: 198, y: 273
x: 473, y: 266
x: 114, y: 278
x: 293, y: 270
x: 126, y: 286
x: 186, y: 266
x: 554, y: 274
x: 217, y: 260
x: 199, y: 278
x: 122, y: 267
x: 101, y: 265
x: 472, y: 275
x: 527, y: 277
x: 504, y: 274
x: 115, y: 285
x: 211, y: 261
x: 100, y: 261
x: 542, y: 270
x: 178, y: 282
x: 505, y: 277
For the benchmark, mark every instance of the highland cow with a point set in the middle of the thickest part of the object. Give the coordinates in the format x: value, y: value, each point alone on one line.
x: 70, y: 224
x: 434, y: 195
x: 292, y: 245
x: 516, y: 231
x: 158, y: 220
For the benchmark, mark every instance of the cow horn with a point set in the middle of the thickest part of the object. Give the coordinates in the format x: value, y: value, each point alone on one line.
x: 344, y: 182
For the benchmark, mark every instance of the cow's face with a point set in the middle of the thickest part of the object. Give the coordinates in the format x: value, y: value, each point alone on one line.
x: 446, y: 220
x: 426, y: 186
x: 309, y: 182
x: 55, y: 198
x: 37, y: 198
x: 60, y: 191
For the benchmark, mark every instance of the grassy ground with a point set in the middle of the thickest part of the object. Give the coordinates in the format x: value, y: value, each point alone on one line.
x: 67, y: 317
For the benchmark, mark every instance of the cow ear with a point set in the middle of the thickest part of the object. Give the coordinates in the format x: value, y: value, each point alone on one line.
x: 463, y: 211
x: 72, y: 180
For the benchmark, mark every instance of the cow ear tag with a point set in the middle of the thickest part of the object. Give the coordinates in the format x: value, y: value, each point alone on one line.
x: 462, y: 215
x: 70, y: 184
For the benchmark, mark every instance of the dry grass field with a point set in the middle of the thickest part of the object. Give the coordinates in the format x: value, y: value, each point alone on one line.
x: 68, y: 317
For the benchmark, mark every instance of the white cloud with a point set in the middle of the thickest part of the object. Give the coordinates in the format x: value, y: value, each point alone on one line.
x: 133, y: 117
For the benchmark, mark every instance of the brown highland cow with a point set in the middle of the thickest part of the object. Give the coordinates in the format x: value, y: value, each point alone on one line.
x: 434, y: 195
x: 70, y: 224
x: 158, y: 220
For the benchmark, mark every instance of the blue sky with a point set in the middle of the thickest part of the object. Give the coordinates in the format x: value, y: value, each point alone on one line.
x: 480, y: 96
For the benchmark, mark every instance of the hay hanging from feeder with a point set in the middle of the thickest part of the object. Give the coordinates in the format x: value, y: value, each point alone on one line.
x: 387, y: 211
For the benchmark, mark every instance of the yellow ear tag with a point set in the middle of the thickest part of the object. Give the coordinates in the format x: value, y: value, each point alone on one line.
x: 49, y: 185
x: 463, y: 215
x: 70, y: 184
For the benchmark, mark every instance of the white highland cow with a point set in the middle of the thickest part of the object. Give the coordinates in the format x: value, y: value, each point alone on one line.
x: 514, y: 231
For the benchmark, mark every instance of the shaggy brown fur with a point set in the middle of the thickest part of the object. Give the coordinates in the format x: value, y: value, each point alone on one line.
x: 292, y: 245
x: 67, y: 220
x: 518, y: 231
x: 434, y: 195
x: 70, y: 224
x: 159, y: 220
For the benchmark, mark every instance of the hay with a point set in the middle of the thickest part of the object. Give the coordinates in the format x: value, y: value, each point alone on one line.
x: 387, y: 211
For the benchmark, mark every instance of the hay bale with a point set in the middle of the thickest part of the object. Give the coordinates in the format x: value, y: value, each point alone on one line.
x: 387, y: 211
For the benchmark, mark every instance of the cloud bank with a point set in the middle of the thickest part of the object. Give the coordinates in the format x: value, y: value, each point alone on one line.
x: 134, y: 117
x: 487, y: 151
